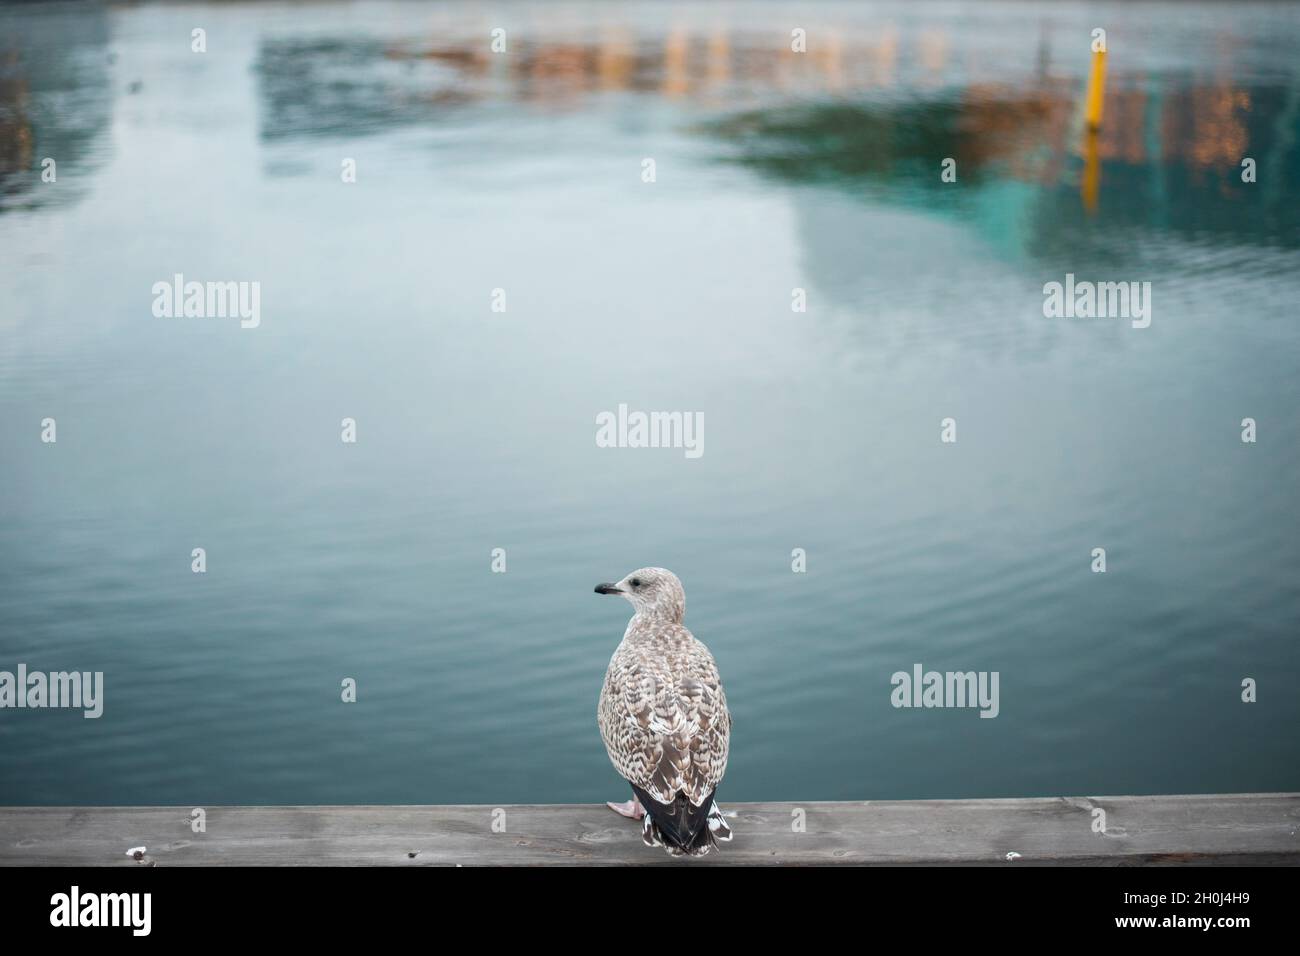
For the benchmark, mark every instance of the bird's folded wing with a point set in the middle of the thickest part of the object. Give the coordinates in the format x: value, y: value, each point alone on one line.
x: 666, y: 724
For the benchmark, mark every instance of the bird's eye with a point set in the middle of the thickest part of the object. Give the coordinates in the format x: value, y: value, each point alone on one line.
x: 635, y: 582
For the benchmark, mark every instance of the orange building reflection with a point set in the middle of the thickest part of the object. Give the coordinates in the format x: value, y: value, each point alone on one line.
x: 1031, y: 127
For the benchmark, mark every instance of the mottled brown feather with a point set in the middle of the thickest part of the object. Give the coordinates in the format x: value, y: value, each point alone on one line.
x: 662, y: 712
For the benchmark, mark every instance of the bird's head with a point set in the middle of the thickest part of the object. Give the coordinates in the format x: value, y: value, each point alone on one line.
x: 653, y: 592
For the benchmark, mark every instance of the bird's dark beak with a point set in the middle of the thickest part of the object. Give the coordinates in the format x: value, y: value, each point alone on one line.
x: 608, y: 589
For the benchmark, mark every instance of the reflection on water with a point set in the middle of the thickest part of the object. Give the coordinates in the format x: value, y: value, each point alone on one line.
x: 1161, y: 171
x: 777, y: 170
x: 55, y: 97
x: 1172, y: 142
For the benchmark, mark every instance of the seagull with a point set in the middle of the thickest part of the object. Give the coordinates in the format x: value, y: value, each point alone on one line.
x: 664, y: 719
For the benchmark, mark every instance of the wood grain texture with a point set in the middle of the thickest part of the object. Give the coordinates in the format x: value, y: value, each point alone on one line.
x: 1203, y: 829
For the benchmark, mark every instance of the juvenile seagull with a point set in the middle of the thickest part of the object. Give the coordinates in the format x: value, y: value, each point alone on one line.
x: 664, y: 719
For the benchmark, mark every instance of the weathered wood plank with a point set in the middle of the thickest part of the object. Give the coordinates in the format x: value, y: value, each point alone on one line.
x: 1230, y: 828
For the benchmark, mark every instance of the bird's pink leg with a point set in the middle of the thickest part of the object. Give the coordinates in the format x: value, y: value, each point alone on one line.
x: 631, y: 809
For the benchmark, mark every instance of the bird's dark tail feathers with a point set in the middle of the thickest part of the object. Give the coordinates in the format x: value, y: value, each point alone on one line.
x: 680, y: 827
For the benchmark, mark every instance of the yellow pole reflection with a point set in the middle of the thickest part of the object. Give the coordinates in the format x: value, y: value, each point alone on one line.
x: 1090, y: 185
x: 1096, y: 90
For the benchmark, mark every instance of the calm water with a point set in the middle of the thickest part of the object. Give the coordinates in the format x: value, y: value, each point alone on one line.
x: 476, y: 429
